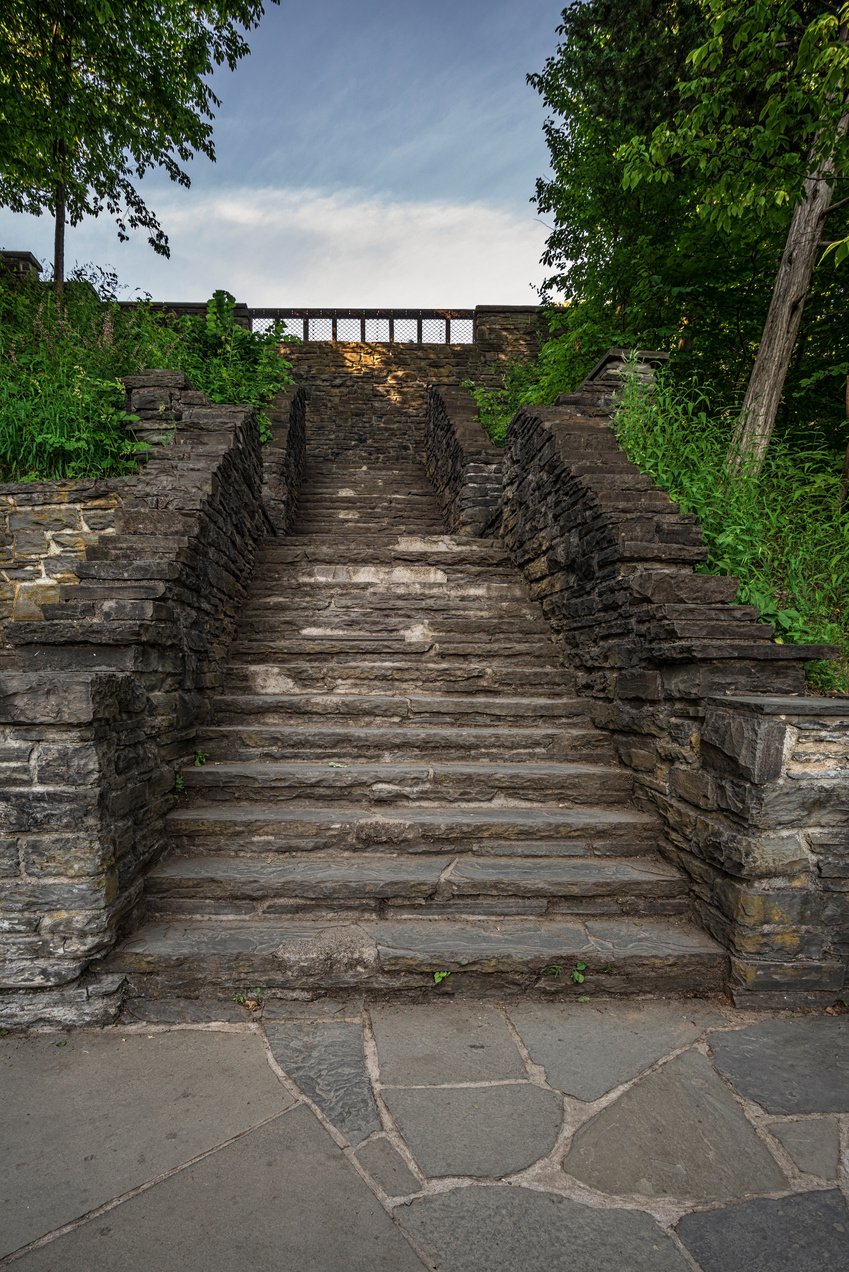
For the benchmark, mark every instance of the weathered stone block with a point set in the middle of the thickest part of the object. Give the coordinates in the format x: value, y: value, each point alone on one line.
x: 744, y: 746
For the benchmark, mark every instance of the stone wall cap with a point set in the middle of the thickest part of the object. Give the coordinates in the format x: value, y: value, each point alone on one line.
x: 769, y: 704
x: 510, y: 309
x: 156, y: 380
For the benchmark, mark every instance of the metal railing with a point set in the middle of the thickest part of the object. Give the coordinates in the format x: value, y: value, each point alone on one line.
x: 370, y: 326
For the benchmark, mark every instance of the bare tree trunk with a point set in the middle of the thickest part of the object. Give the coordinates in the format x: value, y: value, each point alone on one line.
x: 766, y: 383
x: 844, y: 483
x: 59, y: 241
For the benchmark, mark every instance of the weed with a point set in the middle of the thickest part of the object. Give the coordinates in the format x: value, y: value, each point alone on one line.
x: 179, y: 783
x: 583, y: 998
x: 201, y: 758
x: 554, y: 970
x: 439, y: 977
x: 578, y: 974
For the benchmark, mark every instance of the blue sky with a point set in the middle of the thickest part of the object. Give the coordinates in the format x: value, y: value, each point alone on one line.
x: 368, y: 154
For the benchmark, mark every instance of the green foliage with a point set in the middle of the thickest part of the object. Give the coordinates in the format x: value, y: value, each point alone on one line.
x: 61, y: 403
x: 228, y: 362
x: 440, y: 976
x: 94, y: 95
x: 657, y: 263
x: 781, y: 533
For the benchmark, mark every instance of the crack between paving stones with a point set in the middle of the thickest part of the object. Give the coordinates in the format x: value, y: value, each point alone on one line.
x: 49, y: 1237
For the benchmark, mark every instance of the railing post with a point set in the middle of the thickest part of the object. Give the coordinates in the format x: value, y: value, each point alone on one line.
x: 391, y: 330
x: 362, y: 330
x: 333, y: 329
x: 419, y: 330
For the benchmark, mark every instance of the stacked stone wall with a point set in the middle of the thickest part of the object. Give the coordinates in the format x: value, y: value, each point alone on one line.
x: 463, y: 465
x: 110, y: 686
x: 750, y: 775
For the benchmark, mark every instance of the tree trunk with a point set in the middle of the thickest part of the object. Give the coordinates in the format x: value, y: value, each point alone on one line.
x: 59, y: 241
x: 844, y: 484
x: 766, y: 384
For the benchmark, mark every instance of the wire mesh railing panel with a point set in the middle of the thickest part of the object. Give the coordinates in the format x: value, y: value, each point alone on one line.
x: 377, y: 330
x: 348, y: 328
x: 462, y: 331
x: 433, y: 331
x: 318, y: 329
x: 406, y: 330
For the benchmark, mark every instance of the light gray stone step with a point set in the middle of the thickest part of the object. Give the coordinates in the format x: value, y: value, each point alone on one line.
x: 429, y: 884
x: 565, y: 784
x: 391, y: 675
x: 357, y: 547
x: 385, y: 582
x: 193, y: 958
x: 410, y: 624
x: 423, y: 708
x: 298, y: 602
x: 383, y: 740
x: 414, y: 644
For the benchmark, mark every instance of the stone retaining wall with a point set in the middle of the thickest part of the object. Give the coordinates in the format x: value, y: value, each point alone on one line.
x: 462, y: 463
x: 750, y: 776
x: 109, y: 688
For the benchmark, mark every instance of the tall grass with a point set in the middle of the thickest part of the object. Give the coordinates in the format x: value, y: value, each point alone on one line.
x: 61, y: 400
x: 782, y: 533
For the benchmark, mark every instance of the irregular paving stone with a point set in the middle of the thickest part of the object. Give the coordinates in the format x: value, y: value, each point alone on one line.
x: 788, y: 1066
x: 444, y: 1043
x: 385, y: 1164
x: 677, y: 1133
x: 326, y: 1060
x: 573, y: 1041
x: 814, y: 1145
x: 516, y: 1230
x: 805, y: 1233
x: 312, y: 1009
x: 481, y: 1131
x: 86, y: 1117
x: 185, y: 1011
x: 281, y: 1197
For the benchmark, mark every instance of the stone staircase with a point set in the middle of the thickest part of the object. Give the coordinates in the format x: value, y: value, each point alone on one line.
x: 401, y: 781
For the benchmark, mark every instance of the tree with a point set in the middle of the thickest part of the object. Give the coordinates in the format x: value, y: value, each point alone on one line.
x: 762, y: 134
x: 94, y: 94
x: 639, y: 266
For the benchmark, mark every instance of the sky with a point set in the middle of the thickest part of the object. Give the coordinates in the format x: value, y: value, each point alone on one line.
x: 369, y: 154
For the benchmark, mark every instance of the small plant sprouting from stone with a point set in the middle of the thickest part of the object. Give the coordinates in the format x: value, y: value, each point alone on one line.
x: 251, y: 998
x: 179, y: 783
x: 578, y: 974
x: 554, y: 970
x: 583, y: 998
x: 200, y: 758
x: 439, y: 977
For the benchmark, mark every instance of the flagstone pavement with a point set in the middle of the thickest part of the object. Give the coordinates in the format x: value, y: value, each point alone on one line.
x: 459, y: 1135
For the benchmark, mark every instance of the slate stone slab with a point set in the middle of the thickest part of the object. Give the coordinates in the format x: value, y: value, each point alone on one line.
x: 482, y: 1131
x: 574, y: 1042
x: 85, y: 1117
x: 386, y: 1165
x: 444, y: 1043
x: 313, y: 1009
x: 805, y: 1233
x: 814, y: 1145
x: 677, y: 1133
x: 326, y: 1060
x: 516, y: 1230
x: 186, y: 1011
x: 789, y: 1066
x: 281, y: 1197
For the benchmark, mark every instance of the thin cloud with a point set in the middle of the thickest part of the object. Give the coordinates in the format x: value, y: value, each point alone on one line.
x: 310, y: 247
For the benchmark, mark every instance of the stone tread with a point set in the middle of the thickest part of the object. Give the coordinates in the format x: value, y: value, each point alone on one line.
x: 420, y: 875
x: 628, y: 955
x: 537, y: 831
x: 418, y: 707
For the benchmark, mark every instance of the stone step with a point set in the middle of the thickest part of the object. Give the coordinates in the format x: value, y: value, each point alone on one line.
x: 353, y: 546
x: 490, y: 831
x: 431, y: 883
x: 208, y: 957
x: 562, y: 783
x: 439, y: 676
x: 310, y: 622
x: 430, y: 583
x: 445, y: 709
x: 382, y: 740
x: 369, y: 604
x: 413, y: 643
